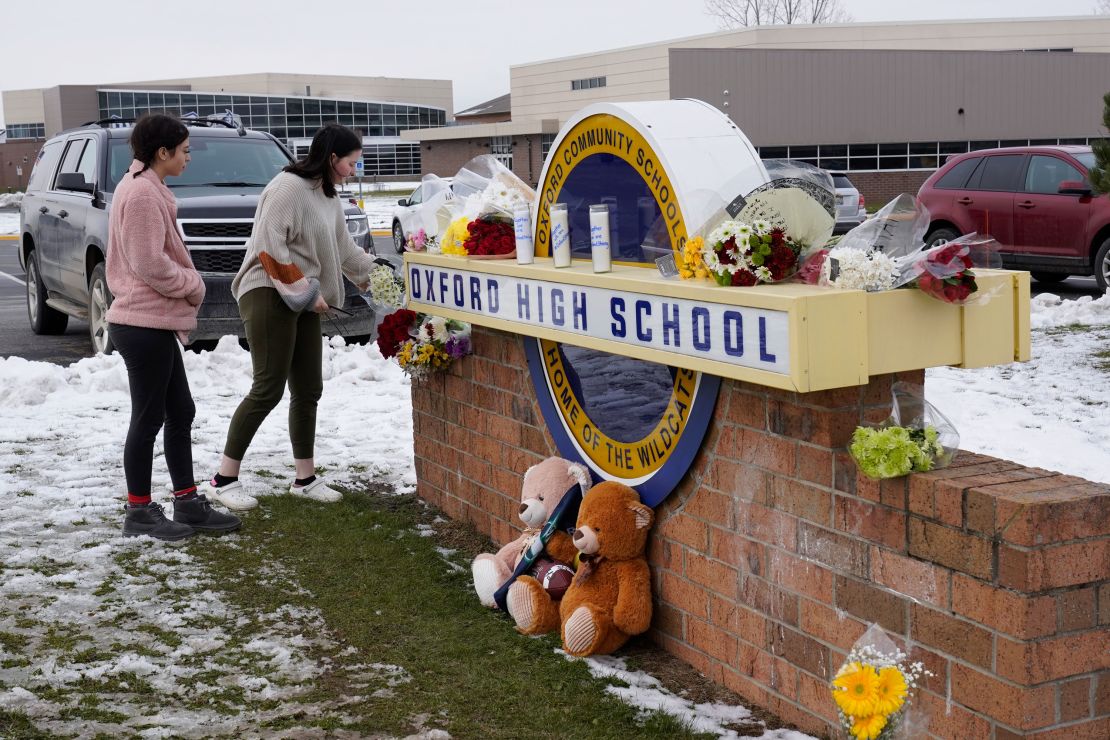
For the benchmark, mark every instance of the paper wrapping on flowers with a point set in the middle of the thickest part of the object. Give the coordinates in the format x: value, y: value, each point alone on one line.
x: 387, y: 288
x: 874, y: 255
x: 874, y: 690
x: 946, y: 271
x: 762, y: 237
x: 479, y: 219
x: 915, y: 438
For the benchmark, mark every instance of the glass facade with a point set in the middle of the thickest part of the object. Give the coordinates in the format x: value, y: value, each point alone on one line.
x: 26, y: 131
x: 289, y: 118
x: 914, y: 155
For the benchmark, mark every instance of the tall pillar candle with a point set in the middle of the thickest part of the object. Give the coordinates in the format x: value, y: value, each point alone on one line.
x: 600, y: 248
x: 560, y: 235
x: 522, y: 225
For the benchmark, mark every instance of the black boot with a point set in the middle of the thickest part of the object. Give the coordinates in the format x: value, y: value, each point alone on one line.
x: 196, y: 512
x: 150, y: 519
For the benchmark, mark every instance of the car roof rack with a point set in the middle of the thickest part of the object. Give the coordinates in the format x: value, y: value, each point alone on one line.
x: 108, y: 122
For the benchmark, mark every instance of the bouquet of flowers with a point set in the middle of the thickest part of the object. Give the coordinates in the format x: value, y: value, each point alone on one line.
x: 421, y: 241
x: 873, y: 690
x: 945, y: 271
x: 925, y: 441
x: 422, y: 343
x: 739, y: 254
x: 387, y: 288
x: 480, y: 224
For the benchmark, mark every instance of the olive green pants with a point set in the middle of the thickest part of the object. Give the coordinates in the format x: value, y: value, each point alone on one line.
x: 286, y: 347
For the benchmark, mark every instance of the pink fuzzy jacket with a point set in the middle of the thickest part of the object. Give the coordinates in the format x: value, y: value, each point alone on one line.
x: 149, y: 271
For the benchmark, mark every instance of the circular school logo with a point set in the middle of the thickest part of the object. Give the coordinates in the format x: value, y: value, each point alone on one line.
x: 629, y: 420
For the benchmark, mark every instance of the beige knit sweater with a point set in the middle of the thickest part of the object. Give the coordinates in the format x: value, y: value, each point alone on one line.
x: 295, y: 222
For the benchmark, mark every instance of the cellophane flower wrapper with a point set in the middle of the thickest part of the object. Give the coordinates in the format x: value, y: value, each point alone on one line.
x: 946, y: 271
x: 387, y: 289
x: 915, y: 438
x: 874, y: 690
x: 480, y: 222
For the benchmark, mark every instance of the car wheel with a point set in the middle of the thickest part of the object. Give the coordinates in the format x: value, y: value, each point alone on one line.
x: 44, y: 319
x: 1049, y: 277
x: 1102, y: 266
x: 398, y: 237
x: 100, y: 300
x: 940, y: 236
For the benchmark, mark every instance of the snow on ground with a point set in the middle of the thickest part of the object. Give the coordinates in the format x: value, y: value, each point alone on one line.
x: 114, y: 604
x: 10, y: 200
x: 9, y: 222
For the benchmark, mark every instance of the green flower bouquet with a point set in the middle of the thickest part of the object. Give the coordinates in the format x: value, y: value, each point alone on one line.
x: 927, y: 440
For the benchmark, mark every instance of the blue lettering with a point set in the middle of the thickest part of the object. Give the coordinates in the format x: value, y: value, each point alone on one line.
x: 557, y: 317
x: 616, y: 310
x: 429, y: 287
x: 460, y: 293
x: 734, y: 334
x: 414, y: 282
x: 493, y: 298
x: 578, y: 308
x: 523, y: 303
x: 763, y: 353
x: 700, y: 318
x: 443, y: 287
x: 475, y: 293
x: 671, y: 326
x: 539, y: 304
x: 643, y: 308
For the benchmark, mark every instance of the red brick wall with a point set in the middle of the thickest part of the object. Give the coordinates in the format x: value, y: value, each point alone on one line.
x: 773, y: 555
x: 879, y: 188
x: 444, y: 158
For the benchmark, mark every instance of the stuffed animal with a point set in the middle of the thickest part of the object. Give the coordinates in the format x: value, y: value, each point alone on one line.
x: 545, y: 484
x: 609, y: 599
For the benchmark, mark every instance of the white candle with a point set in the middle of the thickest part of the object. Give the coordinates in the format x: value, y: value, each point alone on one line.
x: 560, y: 235
x: 599, y: 237
x: 522, y: 225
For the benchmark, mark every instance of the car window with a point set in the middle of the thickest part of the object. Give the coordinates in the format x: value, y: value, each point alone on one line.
x: 841, y: 181
x: 417, y: 196
x: 1087, y: 159
x: 87, y: 165
x: 72, y: 155
x: 230, y: 162
x: 956, y: 178
x: 1000, y: 173
x: 1046, y: 173
x: 43, y: 173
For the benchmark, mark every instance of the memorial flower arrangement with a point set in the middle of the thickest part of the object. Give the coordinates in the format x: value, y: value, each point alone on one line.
x: 740, y: 254
x: 946, y: 272
x: 387, y: 289
x: 490, y: 237
x: 422, y: 343
x: 480, y: 224
x: 454, y: 238
x: 421, y: 241
x: 690, y: 262
x: 913, y: 439
x: 873, y: 689
x: 851, y: 268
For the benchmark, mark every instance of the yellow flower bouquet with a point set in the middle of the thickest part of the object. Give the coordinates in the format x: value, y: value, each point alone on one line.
x: 873, y: 688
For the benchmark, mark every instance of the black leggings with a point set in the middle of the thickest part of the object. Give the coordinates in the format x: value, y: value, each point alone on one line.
x: 159, y: 395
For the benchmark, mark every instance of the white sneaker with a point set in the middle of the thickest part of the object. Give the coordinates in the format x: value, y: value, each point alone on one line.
x: 231, y: 495
x: 317, y: 490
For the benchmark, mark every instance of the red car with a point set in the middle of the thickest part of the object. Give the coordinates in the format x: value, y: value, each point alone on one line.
x: 1035, y: 201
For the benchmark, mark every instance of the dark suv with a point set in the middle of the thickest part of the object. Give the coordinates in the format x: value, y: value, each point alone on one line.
x: 1036, y: 201
x: 64, y: 225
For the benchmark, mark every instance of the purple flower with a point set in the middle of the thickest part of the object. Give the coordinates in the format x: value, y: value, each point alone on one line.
x: 457, y: 346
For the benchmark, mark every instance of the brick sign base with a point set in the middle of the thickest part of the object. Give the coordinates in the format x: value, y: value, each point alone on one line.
x: 773, y: 555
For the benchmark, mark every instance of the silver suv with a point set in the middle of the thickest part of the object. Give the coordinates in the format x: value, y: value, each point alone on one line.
x: 850, y: 208
x: 64, y: 225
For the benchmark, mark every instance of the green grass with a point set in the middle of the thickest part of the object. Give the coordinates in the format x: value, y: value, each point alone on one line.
x: 384, y: 590
x: 1102, y: 360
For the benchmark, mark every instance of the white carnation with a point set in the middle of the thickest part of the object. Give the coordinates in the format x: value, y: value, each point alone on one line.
x: 859, y: 269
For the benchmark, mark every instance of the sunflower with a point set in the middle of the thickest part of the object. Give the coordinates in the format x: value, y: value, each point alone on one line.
x: 868, y: 728
x: 855, y: 689
x: 890, y: 691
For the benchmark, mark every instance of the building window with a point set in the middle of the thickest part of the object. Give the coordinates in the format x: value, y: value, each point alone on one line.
x: 587, y: 83
x: 26, y: 131
x: 501, y: 147
x: 546, y: 140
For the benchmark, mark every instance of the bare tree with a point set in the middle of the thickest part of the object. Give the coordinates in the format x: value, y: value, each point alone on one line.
x: 744, y: 13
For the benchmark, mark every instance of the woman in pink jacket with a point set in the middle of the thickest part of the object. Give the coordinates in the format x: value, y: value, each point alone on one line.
x: 157, y: 292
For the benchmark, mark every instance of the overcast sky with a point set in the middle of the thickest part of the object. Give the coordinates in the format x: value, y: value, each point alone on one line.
x: 471, y: 42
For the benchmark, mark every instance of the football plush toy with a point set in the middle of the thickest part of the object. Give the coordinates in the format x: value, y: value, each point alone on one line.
x: 554, y: 576
x: 545, y: 485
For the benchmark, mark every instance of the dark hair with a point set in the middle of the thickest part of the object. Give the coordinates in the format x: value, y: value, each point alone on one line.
x: 152, y: 132
x: 316, y: 165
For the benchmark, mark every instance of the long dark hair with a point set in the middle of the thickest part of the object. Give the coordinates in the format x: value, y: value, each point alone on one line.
x: 316, y: 165
x: 152, y: 132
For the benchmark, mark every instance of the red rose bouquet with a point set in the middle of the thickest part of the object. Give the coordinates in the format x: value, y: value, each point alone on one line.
x: 394, y: 331
x: 945, y: 272
x: 490, y: 237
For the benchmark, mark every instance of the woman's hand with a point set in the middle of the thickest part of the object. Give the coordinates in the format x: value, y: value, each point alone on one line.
x: 321, y: 306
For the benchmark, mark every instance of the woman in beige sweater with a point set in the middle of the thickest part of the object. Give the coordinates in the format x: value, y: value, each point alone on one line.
x: 293, y: 272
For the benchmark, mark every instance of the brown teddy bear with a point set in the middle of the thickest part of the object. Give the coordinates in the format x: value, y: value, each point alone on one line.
x: 545, y: 485
x: 609, y: 599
